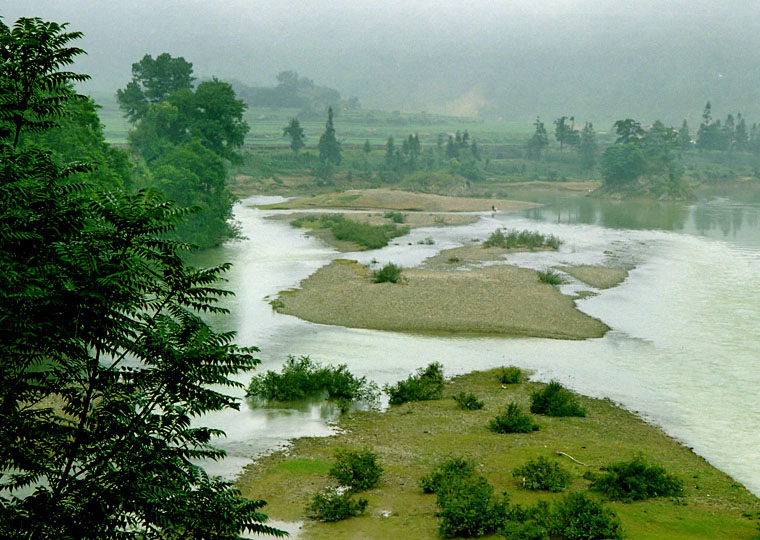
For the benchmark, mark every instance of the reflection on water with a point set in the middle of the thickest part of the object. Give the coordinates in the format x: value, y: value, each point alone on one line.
x: 684, y: 323
x: 717, y: 217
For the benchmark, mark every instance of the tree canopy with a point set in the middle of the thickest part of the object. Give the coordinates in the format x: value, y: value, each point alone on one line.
x: 105, y: 358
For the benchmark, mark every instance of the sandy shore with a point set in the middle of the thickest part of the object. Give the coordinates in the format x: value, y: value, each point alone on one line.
x: 499, y: 299
x: 372, y: 199
x: 600, y: 277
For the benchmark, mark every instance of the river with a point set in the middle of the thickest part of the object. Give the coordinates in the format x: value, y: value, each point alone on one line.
x: 682, y: 352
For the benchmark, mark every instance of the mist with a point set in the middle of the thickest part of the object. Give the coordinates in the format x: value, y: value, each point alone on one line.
x: 598, y: 60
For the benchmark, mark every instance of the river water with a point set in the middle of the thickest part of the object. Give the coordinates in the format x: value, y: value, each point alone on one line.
x: 682, y: 352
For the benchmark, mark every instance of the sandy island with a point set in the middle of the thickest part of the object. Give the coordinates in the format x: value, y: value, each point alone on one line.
x: 500, y: 299
x: 372, y: 199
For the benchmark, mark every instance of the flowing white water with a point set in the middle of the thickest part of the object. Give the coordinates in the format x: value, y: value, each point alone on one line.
x: 683, y: 350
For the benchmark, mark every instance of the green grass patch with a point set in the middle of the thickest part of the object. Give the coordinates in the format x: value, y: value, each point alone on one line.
x: 364, y: 234
x: 550, y: 276
x: 390, y: 273
x: 510, y: 375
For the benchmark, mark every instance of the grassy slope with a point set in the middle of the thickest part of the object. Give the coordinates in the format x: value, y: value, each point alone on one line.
x: 411, y: 438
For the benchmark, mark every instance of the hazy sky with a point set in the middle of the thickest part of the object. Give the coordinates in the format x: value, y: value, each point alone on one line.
x: 524, y: 57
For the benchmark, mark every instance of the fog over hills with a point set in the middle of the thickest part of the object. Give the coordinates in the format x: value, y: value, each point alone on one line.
x: 596, y: 59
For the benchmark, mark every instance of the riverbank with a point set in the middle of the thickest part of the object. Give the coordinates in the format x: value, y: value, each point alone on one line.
x: 498, y: 299
x: 410, y: 439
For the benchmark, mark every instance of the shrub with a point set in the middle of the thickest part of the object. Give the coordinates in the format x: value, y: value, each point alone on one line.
x: 358, y: 470
x: 469, y: 508
x: 395, y: 217
x: 301, y: 377
x: 468, y: 401
x: 333, y: 505
x: 513, y: 420
x: 555, y: 400
x: 542, y: 474
x: 424, y: 385
x: 637, y: 480
x: 550, y: 276
x: 389, y: 273
x: 364, y: 234
x: 446, y: 472
x: 577, y: 517
x: 510, y: 375
x: 521, y: 239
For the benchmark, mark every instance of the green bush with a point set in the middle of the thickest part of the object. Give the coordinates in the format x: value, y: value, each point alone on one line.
x: 468, y: 508
x: 333, y: 505
x: 364, y: 234
x: 542, y: 474
x: 550, y: 276
x: 510, y: 375
x: 577, y: 517
x: 358, y: 470
x: 424, y: 385
x: 301, y: 377
x: 468, y: 401
x: 555, y: 400
x: 395, y: 217
x: 446, y: 472
x: 521, y: 239
x: 636, y: 480
x: 390, y: 273
x: 513, y: 420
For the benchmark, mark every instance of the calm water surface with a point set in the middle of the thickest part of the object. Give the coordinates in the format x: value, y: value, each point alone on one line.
x: 683, y: 350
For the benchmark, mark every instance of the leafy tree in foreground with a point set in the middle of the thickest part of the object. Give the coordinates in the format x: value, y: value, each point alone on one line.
x: 105, y: 360
x: 295, y: 132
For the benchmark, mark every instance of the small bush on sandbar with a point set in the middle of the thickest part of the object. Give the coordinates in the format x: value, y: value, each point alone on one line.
x: 550, y: 276
x: 358, y: 470
x: 510, y: 375
x: 577, y: 517
x: 456, y: 468
x: 390, y: 273
x: 510, y: 239
x: 636, y: 480
x: 555, y: 400
x: 301, y: 377
x: 395, y: 217
x: 513, y: 420
x: 542, y: 474
x: 424, y: 385
x: 468, y: 401
x: 334, y: 505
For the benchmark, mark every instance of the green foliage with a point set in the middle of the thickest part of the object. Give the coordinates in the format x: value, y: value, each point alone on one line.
x: 364, y: 234
x: 577, y: 517
x: 555, y: 400
x: 359, y: 471
x: 510, y: 375
x: 542, y: 474
x: 301, y: 377
x: 587, y: 148
x: 565, y: 133
x: 395, y: 217
x: 329, y: 148
x: 636, y: 480
x: 469, y: 509
x: 390, y: 273
x: 538, y: 142
x: 622, y: 163
x: 513, y: 420
x: 468, y: 401
x: 550, y: 276
x: 34, y: 92
x: 511, y: 238
x: 333, y: 505
x: 107, y: 361
x: 153, y: 81
x: 295, y: 132
x: 424, y: 385
x: 447, y: 472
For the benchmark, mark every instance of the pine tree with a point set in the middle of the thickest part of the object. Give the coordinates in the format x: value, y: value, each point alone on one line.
x: 295, y: 132
x: 329, y: 148
x: 587, y: 148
